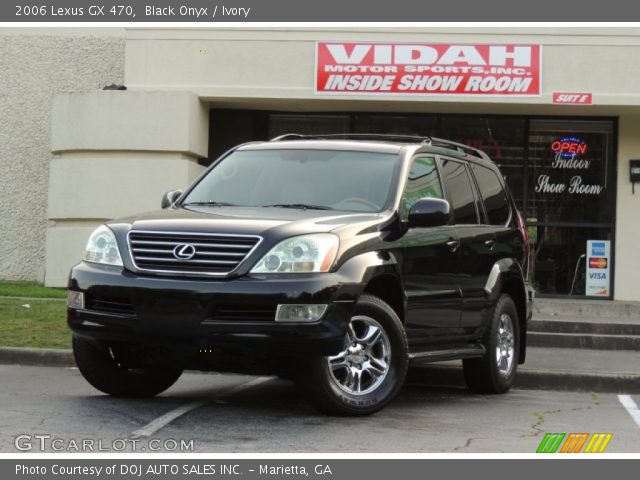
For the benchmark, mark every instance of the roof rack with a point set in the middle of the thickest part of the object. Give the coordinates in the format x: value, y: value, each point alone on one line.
x: 430, y: 141
x: 385, y: 137
x: 460, y: 147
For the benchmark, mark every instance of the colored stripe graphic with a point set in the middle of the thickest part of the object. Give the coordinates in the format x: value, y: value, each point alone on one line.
x: 574, y: 443
x: 550, y: 442
x: 598, y: 442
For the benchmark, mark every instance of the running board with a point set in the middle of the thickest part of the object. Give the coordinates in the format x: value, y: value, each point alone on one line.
x: 471, y: 351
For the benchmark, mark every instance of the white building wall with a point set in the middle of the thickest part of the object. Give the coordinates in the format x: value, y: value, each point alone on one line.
x: 277, y: 63
x: 627, y: 245
x: 36, y: 64
x: 118, y: 152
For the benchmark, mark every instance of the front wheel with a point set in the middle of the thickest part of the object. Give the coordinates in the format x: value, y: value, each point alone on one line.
x: 496, y: 371
x: 369, y: 370
x: 116, y: 372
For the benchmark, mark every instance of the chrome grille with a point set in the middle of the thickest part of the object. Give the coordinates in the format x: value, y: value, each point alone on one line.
x: 215, y: 254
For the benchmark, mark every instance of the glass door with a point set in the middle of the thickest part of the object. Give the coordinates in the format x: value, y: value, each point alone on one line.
x: 569, y: 200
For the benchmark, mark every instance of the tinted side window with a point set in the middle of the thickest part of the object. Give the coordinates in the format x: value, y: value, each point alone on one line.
x: 493, y: 194
x: 460, y: 192
x: 423, y: 182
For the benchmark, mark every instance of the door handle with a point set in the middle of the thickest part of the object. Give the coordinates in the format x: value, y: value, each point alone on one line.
x: 490, y: 243
x: 453, y: 245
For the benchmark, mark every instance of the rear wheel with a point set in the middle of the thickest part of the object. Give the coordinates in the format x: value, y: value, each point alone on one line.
x: 496, y: 371
x: 369, y: 370
x: 115, y: 371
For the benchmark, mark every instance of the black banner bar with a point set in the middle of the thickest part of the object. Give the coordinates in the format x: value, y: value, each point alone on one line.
x: 369, y: 469
x: 317, y: 11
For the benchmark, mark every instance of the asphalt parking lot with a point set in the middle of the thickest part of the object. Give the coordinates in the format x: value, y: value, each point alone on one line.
x: 234, y: 413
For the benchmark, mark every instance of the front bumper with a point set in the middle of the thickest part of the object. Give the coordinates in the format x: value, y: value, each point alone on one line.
x: 197, y: 314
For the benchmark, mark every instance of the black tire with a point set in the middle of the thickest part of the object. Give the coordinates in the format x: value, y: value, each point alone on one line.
x: 483, y: 374
x: 99, y: 366
x: 322, y: 386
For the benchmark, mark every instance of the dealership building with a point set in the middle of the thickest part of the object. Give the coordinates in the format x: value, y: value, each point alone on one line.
x: 557, y: 108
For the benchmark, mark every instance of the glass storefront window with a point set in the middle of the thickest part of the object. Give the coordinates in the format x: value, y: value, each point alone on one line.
x: 570, y: 192
x: 558, y: 264
x: 420, y: 125
x: 571, y: 165
x: 501, y: 138
x: 307, y: 124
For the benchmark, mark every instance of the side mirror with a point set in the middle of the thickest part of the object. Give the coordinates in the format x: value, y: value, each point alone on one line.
x: 429, y: 212
x: 170, y: 197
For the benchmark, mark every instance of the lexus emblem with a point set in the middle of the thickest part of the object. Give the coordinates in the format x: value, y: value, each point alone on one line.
x: 184, y: 251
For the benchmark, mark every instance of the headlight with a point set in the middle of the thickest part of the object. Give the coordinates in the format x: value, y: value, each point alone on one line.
x: 306, y: 253
x: 102, y: 247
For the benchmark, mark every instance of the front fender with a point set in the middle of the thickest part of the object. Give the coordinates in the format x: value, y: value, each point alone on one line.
x: 365, y: 267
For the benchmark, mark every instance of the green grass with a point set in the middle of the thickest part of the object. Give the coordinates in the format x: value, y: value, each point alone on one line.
x: 30, y: 289
x: 42, y: 325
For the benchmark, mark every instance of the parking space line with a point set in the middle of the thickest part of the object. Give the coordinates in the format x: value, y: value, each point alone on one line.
x: 631, y: 407
x: 164, y: 420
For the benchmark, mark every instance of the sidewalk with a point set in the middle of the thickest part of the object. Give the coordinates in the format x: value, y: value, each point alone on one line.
x: 602, y: 309
x: 581, y: 369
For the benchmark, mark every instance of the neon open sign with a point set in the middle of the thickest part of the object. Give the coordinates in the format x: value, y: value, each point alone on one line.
x: 569, y: 147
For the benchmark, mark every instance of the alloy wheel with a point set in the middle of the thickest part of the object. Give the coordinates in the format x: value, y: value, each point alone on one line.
x: 364, y: 362
x: 505, y: 345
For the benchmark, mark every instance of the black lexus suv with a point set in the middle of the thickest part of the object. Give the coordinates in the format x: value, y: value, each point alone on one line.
x: 333, y: 260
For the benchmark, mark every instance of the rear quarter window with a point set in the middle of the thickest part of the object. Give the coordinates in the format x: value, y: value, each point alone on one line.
x: 493, y: 194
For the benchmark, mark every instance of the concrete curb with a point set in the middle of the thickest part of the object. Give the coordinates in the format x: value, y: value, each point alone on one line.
x: 441, y: 375
x: 44, y: 357
x: 584, y: 341
x: 533, y: 380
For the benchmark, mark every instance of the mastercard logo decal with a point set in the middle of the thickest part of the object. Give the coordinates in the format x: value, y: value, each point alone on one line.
x: 597, y: 263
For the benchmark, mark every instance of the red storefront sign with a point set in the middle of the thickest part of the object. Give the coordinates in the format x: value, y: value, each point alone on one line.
x: 569, y: 146
x: 428, y: 68
x: 570, y: 98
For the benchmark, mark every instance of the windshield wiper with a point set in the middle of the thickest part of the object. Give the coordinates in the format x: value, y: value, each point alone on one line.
x: 209, y: 203
x: 301, y: 206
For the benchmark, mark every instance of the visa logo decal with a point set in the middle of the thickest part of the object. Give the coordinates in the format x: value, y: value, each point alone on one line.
x: 598, y: 276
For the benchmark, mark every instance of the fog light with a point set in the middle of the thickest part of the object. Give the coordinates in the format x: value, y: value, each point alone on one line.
x: 300, y: 313
x: 75, y: 299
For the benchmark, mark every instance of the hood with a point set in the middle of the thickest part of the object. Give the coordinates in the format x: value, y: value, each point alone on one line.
x: 243, y: 220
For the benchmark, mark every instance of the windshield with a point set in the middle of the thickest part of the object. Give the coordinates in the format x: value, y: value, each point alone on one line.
x: 313, y: 179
